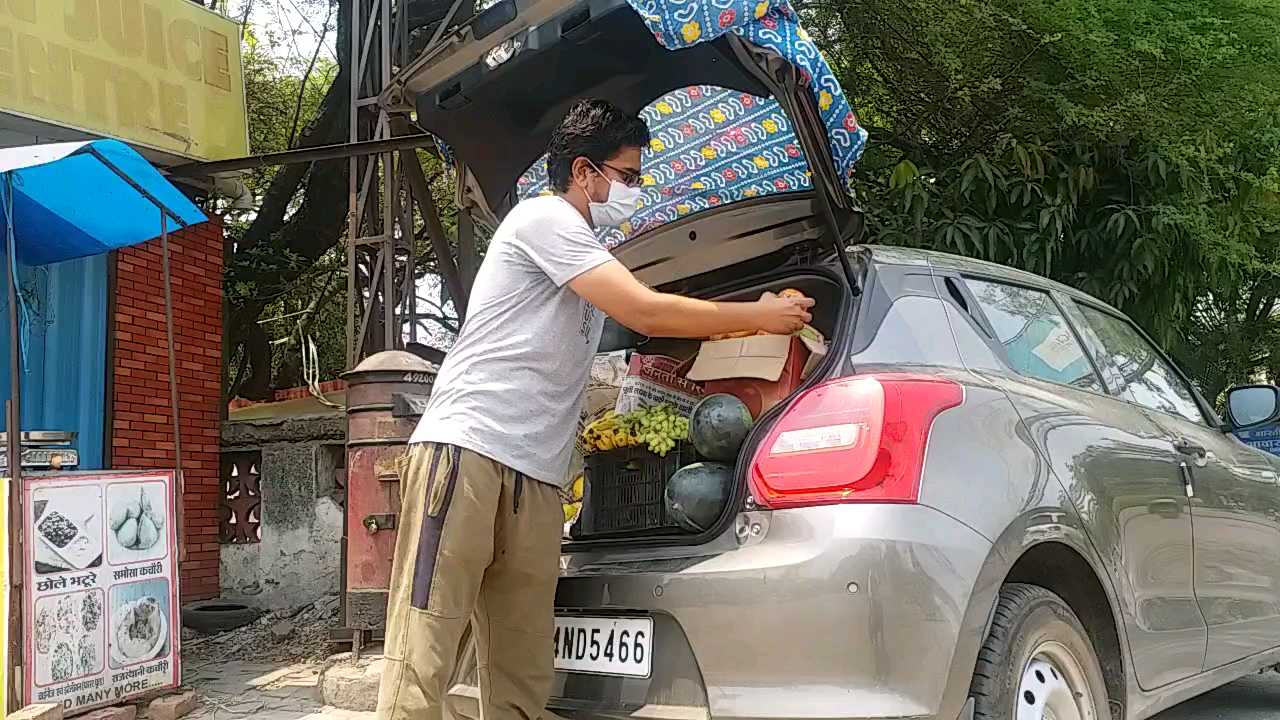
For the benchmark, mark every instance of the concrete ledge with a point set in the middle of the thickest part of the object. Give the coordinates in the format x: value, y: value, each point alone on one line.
x: 269, y: 431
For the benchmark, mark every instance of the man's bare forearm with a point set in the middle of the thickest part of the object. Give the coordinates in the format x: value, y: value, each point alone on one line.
x: 674, y: 316
x: 613, y: 289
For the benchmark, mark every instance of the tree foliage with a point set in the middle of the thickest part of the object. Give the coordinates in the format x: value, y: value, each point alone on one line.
x: 286, y: 277
x: 1128, y: 149
x: 284, y: 92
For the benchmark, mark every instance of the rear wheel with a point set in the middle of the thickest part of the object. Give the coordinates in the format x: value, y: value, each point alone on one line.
x: 1037, y: 663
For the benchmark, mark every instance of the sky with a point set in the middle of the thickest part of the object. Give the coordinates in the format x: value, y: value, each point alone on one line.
x: 289, y: 28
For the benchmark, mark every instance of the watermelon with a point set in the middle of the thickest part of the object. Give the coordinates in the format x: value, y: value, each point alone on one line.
x: 696, y: 494
x: 718, y: 426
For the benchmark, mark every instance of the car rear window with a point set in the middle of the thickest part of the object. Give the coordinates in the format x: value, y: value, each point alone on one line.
x: 711, y: 147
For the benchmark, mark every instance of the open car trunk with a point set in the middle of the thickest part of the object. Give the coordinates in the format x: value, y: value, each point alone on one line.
x: 632, y: 510
x: 496, y: 92
x: 754, y: 204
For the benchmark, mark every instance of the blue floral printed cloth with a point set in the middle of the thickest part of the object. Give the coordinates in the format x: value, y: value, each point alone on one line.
x: 770, y: 24
x: 712, y: 146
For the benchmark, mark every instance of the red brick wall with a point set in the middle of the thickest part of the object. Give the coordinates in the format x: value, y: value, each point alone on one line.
x: 141, y: 426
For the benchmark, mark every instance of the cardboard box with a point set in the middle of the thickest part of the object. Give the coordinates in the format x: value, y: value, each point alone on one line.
x: 759, y: 370
x: 756, y: 356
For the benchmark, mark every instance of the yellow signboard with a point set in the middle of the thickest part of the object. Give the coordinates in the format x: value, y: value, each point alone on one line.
x: 163, y: 74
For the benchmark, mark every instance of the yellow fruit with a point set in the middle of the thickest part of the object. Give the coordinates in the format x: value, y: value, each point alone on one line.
x: 579, y: 486
x: 571, y: 511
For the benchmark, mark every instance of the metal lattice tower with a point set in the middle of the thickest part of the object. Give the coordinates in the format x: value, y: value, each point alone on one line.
x: 386, y: 186
x: 380, y: 248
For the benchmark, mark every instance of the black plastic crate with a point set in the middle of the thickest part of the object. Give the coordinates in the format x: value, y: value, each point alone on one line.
x: 625, y: 490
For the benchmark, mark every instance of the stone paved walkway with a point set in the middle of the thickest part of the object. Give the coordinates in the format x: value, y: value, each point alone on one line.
x: 233, y: 690
x: 229, y: 691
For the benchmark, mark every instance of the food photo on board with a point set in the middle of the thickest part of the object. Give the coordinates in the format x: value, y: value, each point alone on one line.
x: 136, y: 521
x: 140, y: 617
x: 68, y: 529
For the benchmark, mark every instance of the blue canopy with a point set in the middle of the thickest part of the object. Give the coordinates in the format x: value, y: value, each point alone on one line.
x: 73, y: 200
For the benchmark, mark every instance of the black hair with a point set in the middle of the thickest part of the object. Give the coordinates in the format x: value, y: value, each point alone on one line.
x: 594, y: 129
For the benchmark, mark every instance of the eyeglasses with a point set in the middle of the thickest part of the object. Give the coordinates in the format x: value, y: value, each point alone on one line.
x: 630, y: 178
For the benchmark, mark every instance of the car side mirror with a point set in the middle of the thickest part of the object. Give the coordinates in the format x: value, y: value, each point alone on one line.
x: 1252, y: 405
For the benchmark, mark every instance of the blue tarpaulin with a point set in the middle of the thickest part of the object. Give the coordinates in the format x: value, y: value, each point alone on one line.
x: 70, y: 200
x: 66, y: 359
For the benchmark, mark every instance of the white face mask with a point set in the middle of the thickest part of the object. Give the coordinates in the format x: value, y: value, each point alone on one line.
x: 618, y: 207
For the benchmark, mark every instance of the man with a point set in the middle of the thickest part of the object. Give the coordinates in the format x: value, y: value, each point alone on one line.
x: 480, y: 521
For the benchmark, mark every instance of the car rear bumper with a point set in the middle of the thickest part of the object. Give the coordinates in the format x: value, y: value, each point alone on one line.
x: 848, y: 611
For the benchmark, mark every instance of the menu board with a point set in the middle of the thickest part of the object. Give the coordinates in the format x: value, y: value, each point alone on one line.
x: 100, y: 595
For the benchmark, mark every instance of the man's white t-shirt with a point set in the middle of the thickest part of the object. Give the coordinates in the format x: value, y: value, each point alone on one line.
x: 511, y: 388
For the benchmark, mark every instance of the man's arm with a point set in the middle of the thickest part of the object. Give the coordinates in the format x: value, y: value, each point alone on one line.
x: 613, y: 289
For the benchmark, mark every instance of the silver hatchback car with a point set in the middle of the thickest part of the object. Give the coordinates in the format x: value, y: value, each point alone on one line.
x: 995, y: 498
x: 1040, y: 518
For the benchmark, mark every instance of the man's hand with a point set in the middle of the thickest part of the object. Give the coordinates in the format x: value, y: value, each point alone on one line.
x: 783, y: 316
x: 613, y: 289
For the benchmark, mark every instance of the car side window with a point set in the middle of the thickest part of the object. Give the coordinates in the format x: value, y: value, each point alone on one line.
x: 1037, y: 339
x: 1144, y: 375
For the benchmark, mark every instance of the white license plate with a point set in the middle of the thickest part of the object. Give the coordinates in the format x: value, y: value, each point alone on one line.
x: 604, y: 646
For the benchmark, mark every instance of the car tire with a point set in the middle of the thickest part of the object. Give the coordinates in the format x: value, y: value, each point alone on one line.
x: 1037, y: 662
x: 215, y: 616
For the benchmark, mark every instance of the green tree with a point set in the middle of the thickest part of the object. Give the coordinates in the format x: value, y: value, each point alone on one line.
x: 286, y: 272
x: 1129, y: 149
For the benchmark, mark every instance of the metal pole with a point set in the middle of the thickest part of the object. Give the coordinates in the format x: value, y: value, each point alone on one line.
x: 391, y: 332
x: 340, y: 151
x: 410, y: 287
x: 468, y: 258
x: 353, y: 209
x: 173, y: 385
x: 13, y: 448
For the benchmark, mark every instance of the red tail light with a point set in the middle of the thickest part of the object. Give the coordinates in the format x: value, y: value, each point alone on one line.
x: 857, y: 439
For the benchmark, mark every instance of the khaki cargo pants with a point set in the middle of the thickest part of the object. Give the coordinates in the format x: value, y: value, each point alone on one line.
x: 476, y: 539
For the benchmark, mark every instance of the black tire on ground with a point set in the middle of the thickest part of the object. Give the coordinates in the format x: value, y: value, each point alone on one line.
x: 1026, y: 617
x: 213, y: 616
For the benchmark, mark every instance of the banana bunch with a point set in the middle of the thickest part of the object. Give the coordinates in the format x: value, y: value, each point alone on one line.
x: 608, y: 433
x: 659, y: 428
x: 571, y: 509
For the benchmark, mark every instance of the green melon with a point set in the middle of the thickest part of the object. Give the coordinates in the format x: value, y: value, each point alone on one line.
x: 718, y: 426
x: 696, y: 494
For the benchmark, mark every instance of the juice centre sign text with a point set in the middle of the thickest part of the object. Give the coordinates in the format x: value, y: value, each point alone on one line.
x: 165, y: 74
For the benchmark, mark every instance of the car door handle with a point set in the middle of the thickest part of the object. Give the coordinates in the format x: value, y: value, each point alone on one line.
x: 1165, y: 508
x: 1188, y: 447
